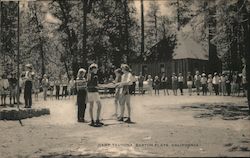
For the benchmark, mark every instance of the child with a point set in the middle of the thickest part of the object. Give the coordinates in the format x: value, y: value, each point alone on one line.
x: 174, y: 83
x: 150, y: 84
x: 157, y: 83
x: 164, y: 81
x: 189, y: 83
x: 204, y: 84
x: 197, y: 82
x: 126, y: 81
x: 180, y: 82
x: 118, y: 77
x: 93, y: 95
x: 45, y: 85
x: 36, y: 87
x: 81, y: 87
x: 210, y: 84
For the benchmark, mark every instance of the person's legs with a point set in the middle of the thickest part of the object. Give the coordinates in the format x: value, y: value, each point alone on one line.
x: 91, y: 104
x: 128, y: 105
x: 122, y: 105
x: 99, y: 107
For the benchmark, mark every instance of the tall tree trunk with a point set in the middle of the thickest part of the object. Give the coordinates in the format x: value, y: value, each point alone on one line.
x: 84, y: 41
x: 214, y: 64
x: 126, y: 14
x: 142, y: 29
x: 246, y: 54
x: 41, y: 43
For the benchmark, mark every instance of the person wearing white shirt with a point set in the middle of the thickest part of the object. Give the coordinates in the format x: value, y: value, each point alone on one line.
x: 126, y: 81
x: 204, y: 84
x: 216, y: 83
x: 28, y: 86
x: 180, y: 82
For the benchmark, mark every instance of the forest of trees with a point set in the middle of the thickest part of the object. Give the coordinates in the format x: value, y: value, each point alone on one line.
x: 59, y: 36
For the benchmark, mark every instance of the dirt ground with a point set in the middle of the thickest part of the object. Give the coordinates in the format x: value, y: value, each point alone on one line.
x: 162, y: 128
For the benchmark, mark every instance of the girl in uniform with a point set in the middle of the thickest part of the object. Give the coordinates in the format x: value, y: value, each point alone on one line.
x: 126, y: 81
x: 93, y: 95
x: 118, y: 77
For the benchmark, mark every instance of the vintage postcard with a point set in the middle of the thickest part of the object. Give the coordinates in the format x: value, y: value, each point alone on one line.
x: 124, y: 78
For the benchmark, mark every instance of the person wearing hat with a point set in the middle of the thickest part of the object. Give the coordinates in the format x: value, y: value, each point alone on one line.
x: 93, y: 95
x: 45, y: 85
x: 216, y: 83
x: 81, y: 89
x: 126, y: 81
x: 197, y: 82
x: 174, y: 83
x: 204, y: 84
x: 28, y: 86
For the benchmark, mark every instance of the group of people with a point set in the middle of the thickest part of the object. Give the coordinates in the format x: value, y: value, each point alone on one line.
x: 85, y: 87
x: 218, y: 83
x: 87, y: 92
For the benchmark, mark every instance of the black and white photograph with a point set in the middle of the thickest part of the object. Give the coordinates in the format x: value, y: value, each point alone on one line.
x: 124, y: 78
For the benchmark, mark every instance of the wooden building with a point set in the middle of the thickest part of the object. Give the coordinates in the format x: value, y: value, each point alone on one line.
x: 186, y: 56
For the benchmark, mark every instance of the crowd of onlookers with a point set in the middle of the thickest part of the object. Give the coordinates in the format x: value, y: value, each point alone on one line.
x: 64, y: 86
x: 225, y: 83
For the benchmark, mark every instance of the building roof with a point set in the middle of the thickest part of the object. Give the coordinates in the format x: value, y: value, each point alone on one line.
x: 188, y: 48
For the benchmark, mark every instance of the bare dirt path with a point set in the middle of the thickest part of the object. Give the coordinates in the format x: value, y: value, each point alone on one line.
x: 162, y: 128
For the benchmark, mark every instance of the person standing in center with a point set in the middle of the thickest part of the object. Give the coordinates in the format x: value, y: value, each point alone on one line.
x: 93, y: 95
x: 81, y: 88
x: 118, y: 78
x: 126, y: 81
x: 28, y: 86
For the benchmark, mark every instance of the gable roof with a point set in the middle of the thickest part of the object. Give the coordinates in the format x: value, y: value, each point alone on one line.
x: 187, y: 47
